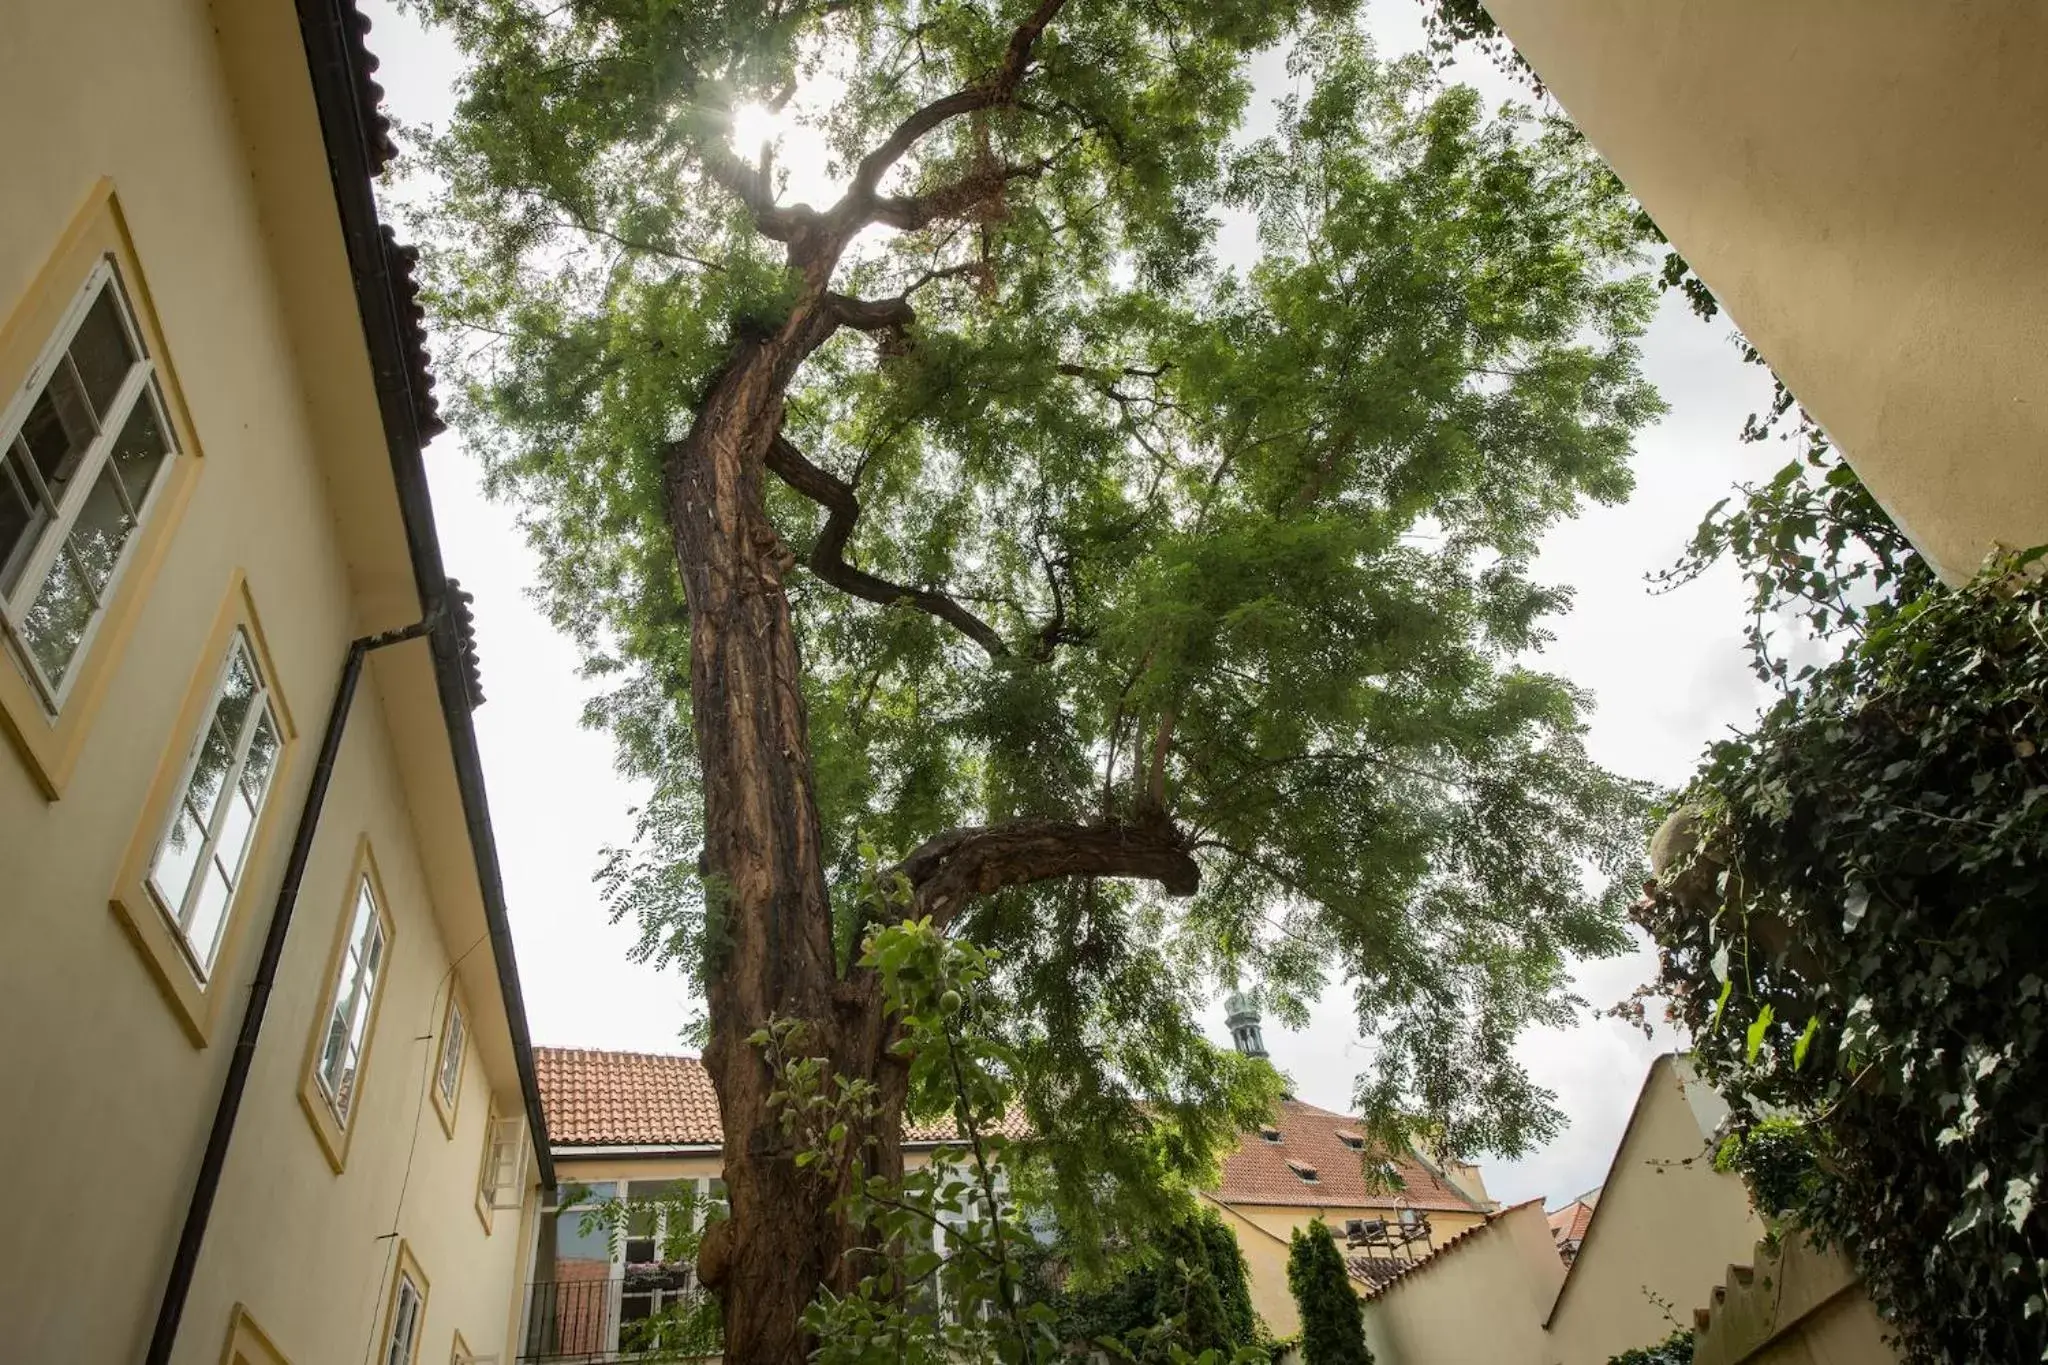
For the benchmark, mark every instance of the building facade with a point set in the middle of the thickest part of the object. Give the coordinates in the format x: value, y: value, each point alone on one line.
x: 272, y: 1094
x: 1862, y: 186
x: 637, y: 1126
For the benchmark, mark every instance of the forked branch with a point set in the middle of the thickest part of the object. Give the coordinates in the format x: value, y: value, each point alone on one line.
x: 828, y: 555
x: 997, y: 88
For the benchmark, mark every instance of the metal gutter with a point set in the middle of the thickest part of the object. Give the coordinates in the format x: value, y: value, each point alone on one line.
x: 340, y: 71
x: 185, y: 1261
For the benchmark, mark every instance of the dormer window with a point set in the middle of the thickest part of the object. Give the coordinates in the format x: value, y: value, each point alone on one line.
x: 1355, y: 1141
x: 1304, y: 1170
x: 1269, y: 1133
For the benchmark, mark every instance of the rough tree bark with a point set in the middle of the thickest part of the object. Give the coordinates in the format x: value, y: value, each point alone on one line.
x: 763, y: 857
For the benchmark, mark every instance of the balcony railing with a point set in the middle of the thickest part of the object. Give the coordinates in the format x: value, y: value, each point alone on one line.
x: 624, y: 1318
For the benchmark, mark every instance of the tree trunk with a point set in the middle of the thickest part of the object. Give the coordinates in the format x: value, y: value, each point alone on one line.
x: 769, y: 917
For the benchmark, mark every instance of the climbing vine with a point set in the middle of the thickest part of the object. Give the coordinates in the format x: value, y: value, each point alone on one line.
x: 1850, y: 923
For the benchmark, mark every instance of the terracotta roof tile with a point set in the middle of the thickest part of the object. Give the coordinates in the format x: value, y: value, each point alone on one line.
x: 1568, y: 1224
x: 643, y: 1099
x: 1261, y: 1172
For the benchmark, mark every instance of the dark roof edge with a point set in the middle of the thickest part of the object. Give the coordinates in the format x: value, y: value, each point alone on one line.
x: 358, y: 143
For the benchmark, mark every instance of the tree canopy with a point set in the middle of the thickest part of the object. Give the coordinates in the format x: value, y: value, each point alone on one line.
x: 1190, y: 559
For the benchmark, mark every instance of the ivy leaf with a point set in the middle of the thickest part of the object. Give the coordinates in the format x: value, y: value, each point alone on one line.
x: 1727, y: 988
x: 1805, y: 1041
x: 1757, y: 1029
x: 1854, y: 908
x: 2019, y: 1201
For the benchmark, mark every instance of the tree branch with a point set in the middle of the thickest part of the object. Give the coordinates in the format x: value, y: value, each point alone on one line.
x: 948, y: 870
x: 999, y: 87
x: 913, y: 212
x: 753, y: 186
x: 828, y: 554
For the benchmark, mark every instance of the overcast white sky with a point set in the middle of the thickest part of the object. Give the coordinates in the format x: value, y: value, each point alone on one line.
x: 1668, y: 672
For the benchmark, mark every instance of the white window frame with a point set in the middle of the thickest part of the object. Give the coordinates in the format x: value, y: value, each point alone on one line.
x: 402, y: 1334
x: 361, y: 995
x: 260, y: 709
x: 614, y: 1305
x: 454, y: 1043
x: 501, y: 1184
x: 142, y: 384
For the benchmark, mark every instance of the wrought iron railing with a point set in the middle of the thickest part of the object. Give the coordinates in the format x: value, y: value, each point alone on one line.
x: 622, y: 1318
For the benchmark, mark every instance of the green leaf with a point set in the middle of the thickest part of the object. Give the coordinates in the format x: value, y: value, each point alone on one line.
x: 1758, y: 1028
x: 1806, y: 1036
x: 1854, y: 905
x: 1721, y: 1004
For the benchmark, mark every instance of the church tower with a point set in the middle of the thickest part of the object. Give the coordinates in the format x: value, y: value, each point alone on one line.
x: 1241, y: 1017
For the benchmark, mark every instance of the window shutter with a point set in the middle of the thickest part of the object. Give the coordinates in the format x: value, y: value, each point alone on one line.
x: 505, y: 1168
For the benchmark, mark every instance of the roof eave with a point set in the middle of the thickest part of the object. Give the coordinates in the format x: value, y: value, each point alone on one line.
x: 352, y: 130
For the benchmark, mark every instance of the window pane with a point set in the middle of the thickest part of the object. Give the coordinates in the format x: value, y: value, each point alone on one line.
x: 261, y: 758
x: 404, y: 1323
x: 237, y: 690
x: 669, y: 1190
x: 101, y: 351
x: 176, y: 861
x: 451, y: 1056
x: 579, y: 1251
x: 208, y: 913
x: 210, y: 771
x: 333, y: 1054
x: 57, y: 621
x: 58, y: 430
x: 596, y: 1192
x: 140, y: 449
x: 234, y: 836
x: 22, y: 520
x: 102, y: 528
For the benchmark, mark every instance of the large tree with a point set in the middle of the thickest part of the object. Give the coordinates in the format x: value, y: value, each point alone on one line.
x: 1165, y: 608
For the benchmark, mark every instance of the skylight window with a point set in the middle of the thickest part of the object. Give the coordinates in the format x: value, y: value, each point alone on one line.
x: 1304, y: 1170
x: 1355, y: 1141
x: 1270, y: 1134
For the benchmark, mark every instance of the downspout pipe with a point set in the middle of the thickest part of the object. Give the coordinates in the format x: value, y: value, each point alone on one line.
x: 186, y: 1261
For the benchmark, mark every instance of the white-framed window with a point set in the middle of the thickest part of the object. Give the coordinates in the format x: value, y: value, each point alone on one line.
x: 501, y: 1184
x: 348, y: 1017
x: 448, y: 1079
x: 83, y: 447
x: 408, y: 1305
x: 594, y: 1280
x: 199, y: 860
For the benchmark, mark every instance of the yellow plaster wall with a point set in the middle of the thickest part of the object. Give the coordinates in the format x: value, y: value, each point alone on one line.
x: 1484, y: 1302
x: 1863, y: 184
x: 1667, y: 1225
x: 111, y: 1101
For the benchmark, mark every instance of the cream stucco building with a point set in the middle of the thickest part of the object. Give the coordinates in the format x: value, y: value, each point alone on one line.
x: 629, y: 1125
x: 1670, y: 1244
x: 270, y: 1092
x: 1863, y: 184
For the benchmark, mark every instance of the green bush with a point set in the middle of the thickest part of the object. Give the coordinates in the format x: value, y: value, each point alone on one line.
x: 1859, y: 942
x: 1332, y: 1318
x: 1775, y: 1159
x: 1675, y: 1349
x: 1192, y: 1292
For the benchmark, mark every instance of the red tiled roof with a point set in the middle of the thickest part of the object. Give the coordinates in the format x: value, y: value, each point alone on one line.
x: 643, y: 1099
x: 1259, y: 1172
x: 1568, y: 1224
